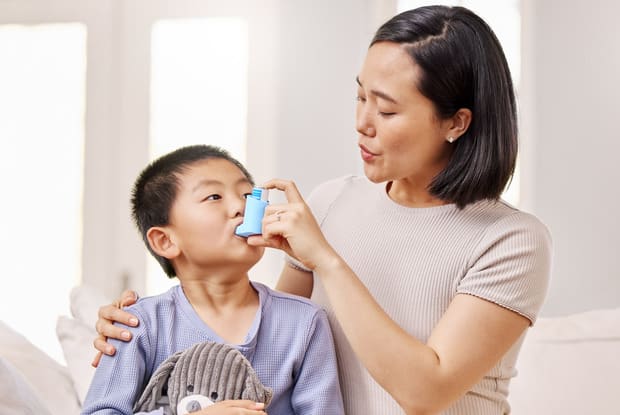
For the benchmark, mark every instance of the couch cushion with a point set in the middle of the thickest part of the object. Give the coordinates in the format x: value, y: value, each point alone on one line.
x: 49, y: 380
x: 76, y: 336
x: 76, y: 339
x: 569, y: 365
x: 85, y: 302
x: 16, y: 395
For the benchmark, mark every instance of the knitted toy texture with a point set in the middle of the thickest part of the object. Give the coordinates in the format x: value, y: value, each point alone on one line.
x: 199, y: 376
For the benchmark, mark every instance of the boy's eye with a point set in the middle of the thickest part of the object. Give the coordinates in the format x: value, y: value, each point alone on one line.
x: 213, y: 197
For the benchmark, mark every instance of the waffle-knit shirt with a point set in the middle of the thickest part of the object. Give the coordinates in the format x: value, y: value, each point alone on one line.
x: 289, y: 345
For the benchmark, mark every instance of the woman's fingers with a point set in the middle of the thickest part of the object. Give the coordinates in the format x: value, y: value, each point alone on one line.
x: 275, y: 241
x: 288, y: 187
x: 244, y: 403
x: 291, y: 227
x: 106, y: 329
x: 103, y: 346
x: 111, y: 313
x: 96, y: 360
x: 234, y: 407
x: 128, y: 297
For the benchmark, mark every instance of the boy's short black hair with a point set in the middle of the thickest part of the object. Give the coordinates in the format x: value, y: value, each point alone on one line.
x: 463, y: 66
x: 156, y: 188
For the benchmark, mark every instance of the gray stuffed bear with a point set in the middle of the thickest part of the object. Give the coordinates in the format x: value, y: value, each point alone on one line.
x: 193, y: 379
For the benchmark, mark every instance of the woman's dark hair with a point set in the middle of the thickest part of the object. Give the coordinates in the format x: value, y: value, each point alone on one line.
x: 156, y: 188
x: 463, y: 66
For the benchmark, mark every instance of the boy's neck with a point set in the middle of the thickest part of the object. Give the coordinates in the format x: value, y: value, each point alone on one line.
x: 219, y: 295
x: 227, y: 306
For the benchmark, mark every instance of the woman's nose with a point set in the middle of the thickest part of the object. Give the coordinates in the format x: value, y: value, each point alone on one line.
x: 364, y: 124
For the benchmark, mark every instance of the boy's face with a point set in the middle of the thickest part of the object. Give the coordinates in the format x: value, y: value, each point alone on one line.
x: 208, y: 208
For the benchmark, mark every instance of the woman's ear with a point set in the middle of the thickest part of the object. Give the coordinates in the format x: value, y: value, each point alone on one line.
x: 161, y: 242
x: 458, y: 124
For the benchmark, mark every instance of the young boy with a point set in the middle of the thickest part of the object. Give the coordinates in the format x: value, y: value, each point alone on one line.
x: 187, y: 205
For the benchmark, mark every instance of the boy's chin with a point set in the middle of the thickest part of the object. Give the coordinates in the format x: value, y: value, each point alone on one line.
x: 252, y: 255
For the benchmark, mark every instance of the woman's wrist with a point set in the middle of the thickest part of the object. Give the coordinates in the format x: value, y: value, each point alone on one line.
x: 330, y: 264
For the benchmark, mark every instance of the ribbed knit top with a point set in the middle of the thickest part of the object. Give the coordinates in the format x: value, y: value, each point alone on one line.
x: 415, y: 260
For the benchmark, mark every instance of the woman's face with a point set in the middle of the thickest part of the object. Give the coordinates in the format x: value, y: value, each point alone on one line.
x: 400, y: 136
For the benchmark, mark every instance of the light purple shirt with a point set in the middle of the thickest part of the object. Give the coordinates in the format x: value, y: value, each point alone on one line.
x: 289, y: 345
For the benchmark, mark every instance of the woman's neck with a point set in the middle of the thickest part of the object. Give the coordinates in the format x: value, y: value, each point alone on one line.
x: 409, y: 193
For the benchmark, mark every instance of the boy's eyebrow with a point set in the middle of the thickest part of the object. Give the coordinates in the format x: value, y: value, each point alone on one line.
x: 211, y: 182
x: 205, y: 182
x: 377, y: 93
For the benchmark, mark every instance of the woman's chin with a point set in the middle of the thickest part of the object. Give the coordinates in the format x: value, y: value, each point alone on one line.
x: 373, y: 174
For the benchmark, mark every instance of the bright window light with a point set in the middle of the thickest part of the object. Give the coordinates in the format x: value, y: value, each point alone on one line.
x: 199, y: 84
x: 42, y: 79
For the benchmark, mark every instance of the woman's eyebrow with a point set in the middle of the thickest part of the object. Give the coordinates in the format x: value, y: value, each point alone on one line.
x: 379, y: 94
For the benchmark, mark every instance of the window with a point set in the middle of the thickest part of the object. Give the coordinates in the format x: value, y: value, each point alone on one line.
x: 198, y: 94
x: 42, y: 79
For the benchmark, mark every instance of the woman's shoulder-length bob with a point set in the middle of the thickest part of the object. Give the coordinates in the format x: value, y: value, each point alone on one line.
x: 463, y: 66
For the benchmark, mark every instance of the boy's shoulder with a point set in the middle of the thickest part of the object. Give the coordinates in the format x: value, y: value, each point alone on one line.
x: 155, y: 303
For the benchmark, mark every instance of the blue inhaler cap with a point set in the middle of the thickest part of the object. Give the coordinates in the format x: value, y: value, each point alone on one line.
x: 255, y: 205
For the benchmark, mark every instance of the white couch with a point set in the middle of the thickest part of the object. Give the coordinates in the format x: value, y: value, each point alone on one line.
x: 31, y: 382
x: 568, y: 365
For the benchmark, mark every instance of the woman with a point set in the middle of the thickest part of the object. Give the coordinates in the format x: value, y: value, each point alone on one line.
x: 430, y: 281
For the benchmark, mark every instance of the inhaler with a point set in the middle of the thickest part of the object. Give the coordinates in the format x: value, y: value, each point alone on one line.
x: 255, y: 205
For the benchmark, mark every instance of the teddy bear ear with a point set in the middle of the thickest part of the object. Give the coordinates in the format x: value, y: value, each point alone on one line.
x: 157, y: 386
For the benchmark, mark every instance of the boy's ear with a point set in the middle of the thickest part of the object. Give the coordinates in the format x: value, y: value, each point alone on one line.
x: 161, y: 242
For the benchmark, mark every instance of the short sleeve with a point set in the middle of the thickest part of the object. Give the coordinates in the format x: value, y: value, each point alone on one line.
x: 119, y: 379
x: 319, y: 201
x: 511, y: 265
x: 317, y: 387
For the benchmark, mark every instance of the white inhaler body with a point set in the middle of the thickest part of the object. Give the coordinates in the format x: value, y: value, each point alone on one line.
x: 254, y: 211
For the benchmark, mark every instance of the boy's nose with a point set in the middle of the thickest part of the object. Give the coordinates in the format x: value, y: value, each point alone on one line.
x: 238, y: 207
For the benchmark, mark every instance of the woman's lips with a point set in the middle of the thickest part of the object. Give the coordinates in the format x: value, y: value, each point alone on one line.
x: 366, y: 154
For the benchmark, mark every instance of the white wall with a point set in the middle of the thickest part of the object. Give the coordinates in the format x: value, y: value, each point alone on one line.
x: 570, y: 110
x: 319, y: 50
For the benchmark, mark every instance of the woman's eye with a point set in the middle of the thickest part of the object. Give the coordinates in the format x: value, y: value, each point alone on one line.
x: 360, y: 98
x: 213, y: 197
x: 246, y: 195
x: 386, y: 114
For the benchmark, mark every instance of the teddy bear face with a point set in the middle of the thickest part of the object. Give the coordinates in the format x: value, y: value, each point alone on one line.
x: 203, y: 374
x: 193, y: 403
